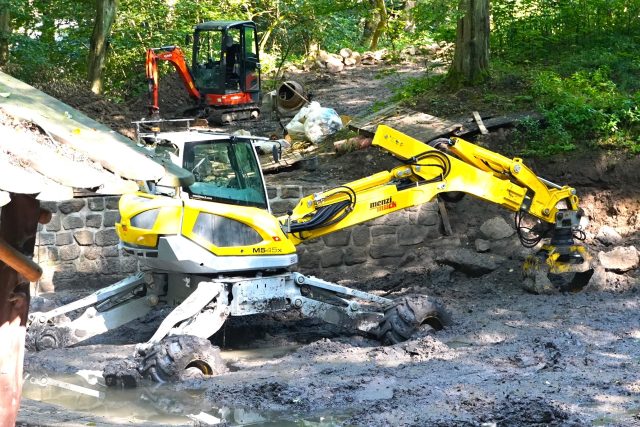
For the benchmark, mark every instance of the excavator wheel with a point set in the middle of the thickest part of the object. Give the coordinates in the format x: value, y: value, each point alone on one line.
x: 44, y: 337
x: 407, y: 314
x: 181, y: 357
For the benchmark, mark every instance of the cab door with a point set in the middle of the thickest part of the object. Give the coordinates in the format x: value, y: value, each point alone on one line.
x: 250, y: 79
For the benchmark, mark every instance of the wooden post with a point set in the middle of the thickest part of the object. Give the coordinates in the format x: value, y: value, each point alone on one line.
x: 18, y: 227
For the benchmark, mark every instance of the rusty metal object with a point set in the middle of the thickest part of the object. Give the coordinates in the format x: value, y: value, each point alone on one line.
x: 291, y: 96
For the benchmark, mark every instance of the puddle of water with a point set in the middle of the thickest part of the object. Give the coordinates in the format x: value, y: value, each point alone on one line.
x: 257, y: 354
x: 454, y: 344
x: 161, y: 404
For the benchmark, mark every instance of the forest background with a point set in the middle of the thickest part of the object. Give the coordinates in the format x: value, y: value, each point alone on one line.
x: 573, y: 61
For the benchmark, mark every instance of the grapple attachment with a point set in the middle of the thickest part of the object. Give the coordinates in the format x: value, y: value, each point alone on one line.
x: 557, y: 268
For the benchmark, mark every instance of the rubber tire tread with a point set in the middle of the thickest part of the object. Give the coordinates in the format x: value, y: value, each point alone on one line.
x: 167, y: 360
x: 402, y: 320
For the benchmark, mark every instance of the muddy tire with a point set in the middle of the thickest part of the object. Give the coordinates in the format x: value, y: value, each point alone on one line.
x: 407, y: 315
x: 181, y: 357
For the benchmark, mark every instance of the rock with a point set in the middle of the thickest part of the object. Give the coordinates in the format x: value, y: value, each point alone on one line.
x: 334, y: 65
x: 353, y: 256
x: 345, y: 52
x: 69, y: 252
x: 71, y: 206
x: 340, y: 238
x: 46, y: 239
x: 83, y: 237
x: 361, y: 235
x: 496, y: 228
x: 409, y: 50
x: 63, y: 239
x: 621, y: 259
x: 379, y: 55
x: 608, y: 235
x: 482, y: 245
x: 356, y: 55
x: 323, y: 55
x: 368, y: 59
x: 470, y: 262
x: 72, y: 222
x: 539, y: 284
x: 378, y: 251
x: 55, y: 223
x: 331, y: 258
x: 411, y: 234
x: 106, y: 237
x: 350, y: 62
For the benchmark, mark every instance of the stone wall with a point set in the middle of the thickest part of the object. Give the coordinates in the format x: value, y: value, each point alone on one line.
x: 380, y: 242
x: 79, y: 247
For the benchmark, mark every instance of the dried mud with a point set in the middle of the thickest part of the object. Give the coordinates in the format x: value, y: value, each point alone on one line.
x: 510, y: 358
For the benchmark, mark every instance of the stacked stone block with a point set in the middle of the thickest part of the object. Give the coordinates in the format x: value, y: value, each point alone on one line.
x: 79, y: 246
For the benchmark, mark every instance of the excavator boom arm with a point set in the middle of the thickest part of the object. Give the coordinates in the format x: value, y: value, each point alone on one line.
x: 455, y: 166
x: 175, y: 56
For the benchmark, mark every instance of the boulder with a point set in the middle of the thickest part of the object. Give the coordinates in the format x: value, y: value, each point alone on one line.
x: 470, y: 262
x: 350, y: 62
x: 482, y: 245
x: 345, y: 52
x: 621, y: 259
x: 334, y: 65
x: 608, y: 236
x: 496, y: 228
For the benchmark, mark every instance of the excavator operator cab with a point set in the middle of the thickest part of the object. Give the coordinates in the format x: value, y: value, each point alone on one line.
x: 225, y: 58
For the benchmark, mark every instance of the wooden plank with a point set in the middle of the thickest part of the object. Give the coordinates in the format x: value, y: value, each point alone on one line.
x: 498, y: 122
x: 422, y: 126
x: 445, y: 217
x: 478, y: 119
x: 113, y: 151
x: 288, y: 160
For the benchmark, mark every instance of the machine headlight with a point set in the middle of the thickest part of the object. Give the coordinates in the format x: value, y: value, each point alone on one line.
x: 224, y: 232
x: 145, y: 219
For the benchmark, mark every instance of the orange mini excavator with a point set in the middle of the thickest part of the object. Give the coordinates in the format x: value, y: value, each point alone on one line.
x: 224, y: 77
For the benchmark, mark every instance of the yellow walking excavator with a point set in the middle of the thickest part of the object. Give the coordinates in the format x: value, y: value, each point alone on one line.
x: 210, y: 246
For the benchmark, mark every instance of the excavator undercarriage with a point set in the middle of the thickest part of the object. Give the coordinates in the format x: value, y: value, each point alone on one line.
x: 211, y: 248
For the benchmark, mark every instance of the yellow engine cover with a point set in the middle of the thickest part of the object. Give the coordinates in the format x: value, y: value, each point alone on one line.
x: 222, y: 229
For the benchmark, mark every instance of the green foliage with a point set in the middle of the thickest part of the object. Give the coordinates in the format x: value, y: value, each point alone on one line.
x: 417, y: 87
x: 585, y: 107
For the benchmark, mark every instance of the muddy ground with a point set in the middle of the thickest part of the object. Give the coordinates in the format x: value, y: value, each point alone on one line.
x: 510, y: 358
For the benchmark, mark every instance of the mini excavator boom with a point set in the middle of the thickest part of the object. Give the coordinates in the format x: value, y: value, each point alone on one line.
x: 211, y: 247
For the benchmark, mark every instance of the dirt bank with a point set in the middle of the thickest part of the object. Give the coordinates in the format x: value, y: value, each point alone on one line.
x: 510, y: 357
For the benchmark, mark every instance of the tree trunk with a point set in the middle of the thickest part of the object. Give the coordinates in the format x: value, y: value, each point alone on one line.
x: 470, y: 64
x: 5, y: 32
x: 382, y: 23
x: 18, y: 226
x: 370, y: 25
x: 105, y: 15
